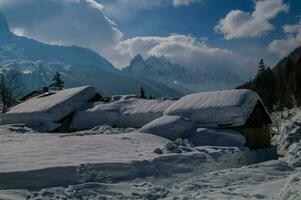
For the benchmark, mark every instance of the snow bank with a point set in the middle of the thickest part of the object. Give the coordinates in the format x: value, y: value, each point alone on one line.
x: 292, y: 188
x: 212, y: 109
x: 170, y: 127
x: 212, y: 172
x: 290, y: 133
x: 45, y: 111
x: 173, y: 127
x: 293, y: 156
x: 122, y: 113
x: 217, y: 137
x: 24, y: 152
x: 123, y: 97
x: 101, y: 130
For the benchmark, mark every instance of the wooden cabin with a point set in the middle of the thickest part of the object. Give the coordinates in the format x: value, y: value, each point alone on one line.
x: 240, y: 110
x: 256, y: 129
x: 50, y: 111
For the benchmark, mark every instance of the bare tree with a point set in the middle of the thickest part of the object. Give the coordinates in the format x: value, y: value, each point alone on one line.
x: 8, y: 86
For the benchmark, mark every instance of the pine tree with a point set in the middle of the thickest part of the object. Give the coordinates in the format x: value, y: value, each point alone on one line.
x: 265, y: 85
x: 290, y: 83
x: 261, y: 66
x: 9, y: 84
x: 57, y: 84
x: 142, y: 92
x: 298, y: 82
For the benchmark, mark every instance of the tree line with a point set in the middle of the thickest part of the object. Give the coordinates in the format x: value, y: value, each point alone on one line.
x: 11, y: 87
x: 280, y: 87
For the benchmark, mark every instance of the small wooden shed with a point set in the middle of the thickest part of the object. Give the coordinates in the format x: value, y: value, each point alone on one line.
x: 50, y: 111
x: 241, y: 110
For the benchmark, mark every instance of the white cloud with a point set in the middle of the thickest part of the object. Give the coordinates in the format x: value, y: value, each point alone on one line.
x: 185, y: 2
x: 284, y: 46
x: 83, y: 23
x: 125, y: 9
x: 292, y: 28
x: 241, y: 24
x: 186, y: 50
x: 66, y: 22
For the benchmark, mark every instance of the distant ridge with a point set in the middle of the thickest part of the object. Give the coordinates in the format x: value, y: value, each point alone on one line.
x: 181, y: 78
x: 37, y: 62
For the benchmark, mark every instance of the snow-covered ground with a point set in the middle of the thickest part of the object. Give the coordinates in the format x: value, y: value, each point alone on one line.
x: 115, y: 163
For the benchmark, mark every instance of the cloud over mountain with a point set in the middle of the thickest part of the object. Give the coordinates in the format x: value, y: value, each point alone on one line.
x: 67, y: 22
x: 85, y: 23
x: 186, y: 50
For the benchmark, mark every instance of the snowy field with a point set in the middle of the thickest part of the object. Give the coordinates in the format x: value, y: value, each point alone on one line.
x: 149, y: 163
x: 98, y: 165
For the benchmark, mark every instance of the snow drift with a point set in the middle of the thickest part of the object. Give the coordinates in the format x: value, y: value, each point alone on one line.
x: 170, y: 127
x: 217, y: 137
x: 174, y: 127
x: 290, y: 133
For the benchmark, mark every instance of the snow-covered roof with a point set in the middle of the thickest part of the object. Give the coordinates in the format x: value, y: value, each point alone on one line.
x: 49, y: 107
x: 131, y: 112
x: 218, y: 108
x: 123, y: 97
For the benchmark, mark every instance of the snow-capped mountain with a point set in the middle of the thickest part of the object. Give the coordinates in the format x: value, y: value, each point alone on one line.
x: 179, y: 77
x: 37, y: 62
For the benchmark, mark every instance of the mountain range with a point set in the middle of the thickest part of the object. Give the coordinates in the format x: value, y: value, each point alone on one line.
x: 36, y: 63
x: 181, y: 78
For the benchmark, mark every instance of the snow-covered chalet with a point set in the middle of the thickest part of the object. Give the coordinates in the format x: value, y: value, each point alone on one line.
x: 51, y: 110
x: 240, y: 110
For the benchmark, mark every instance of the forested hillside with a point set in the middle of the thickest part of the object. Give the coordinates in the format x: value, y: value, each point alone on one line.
x: 279, y: 87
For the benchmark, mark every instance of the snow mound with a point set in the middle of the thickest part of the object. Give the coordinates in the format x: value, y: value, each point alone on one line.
x: 212, y: 109
x: 46, y: 110
x: 123, y: 97
x: 290, y: 133
x: 292, y: 188
x: 101, y: 130
x: 174, y: 127
x: 293, y: 156
x: 170, y: 127
x: 123, y: 113
x: 217, y: 137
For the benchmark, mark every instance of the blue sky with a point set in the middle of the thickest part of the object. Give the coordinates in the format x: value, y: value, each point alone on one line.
x: 230, y: 34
